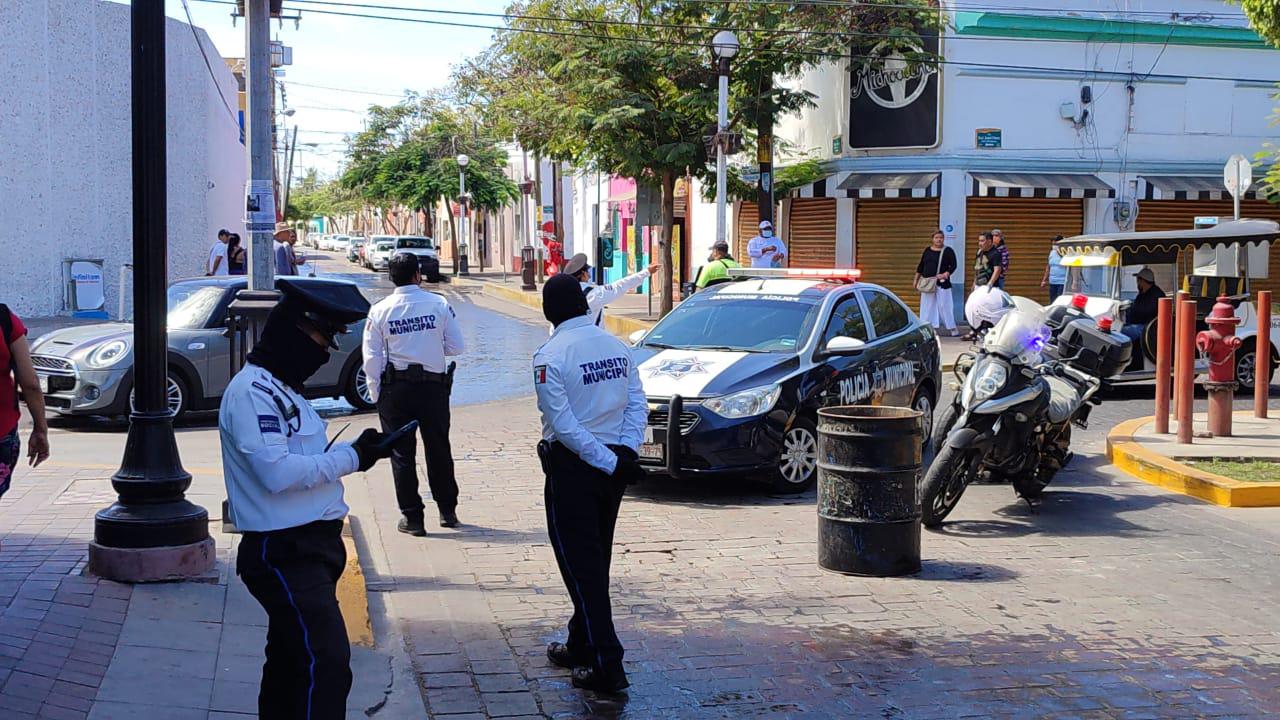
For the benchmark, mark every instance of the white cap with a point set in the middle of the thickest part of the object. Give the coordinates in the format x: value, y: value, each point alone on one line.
x: 766, y: 224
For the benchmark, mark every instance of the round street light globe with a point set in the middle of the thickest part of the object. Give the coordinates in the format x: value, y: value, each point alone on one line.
x: 463, y: 160
x: 725, y: 44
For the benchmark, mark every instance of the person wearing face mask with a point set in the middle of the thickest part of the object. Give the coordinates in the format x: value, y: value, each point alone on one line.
x: 593, y: 418
x: 765, y: 250
x: 284, y: 493
x: 719, y: 263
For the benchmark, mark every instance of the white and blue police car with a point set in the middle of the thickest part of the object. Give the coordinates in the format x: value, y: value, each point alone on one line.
x: 735, y: 374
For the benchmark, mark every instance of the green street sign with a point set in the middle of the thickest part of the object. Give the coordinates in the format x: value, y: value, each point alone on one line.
x: 837, y: 145
x: 987, y: 137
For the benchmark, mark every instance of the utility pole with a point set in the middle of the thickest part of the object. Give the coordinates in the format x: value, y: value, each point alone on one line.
x: 260, y: 206
x: 288, y: 170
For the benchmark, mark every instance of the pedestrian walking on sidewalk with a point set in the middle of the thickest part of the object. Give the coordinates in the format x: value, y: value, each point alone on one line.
x: 407, y: 340
x: 284, y: 491
x: 933, y: 281
x: 235, y: 256
x: 1055, y: 273
x: 997, y: 239
x: 593, y: 417
x: 217, y: 264
x: 16, y: 371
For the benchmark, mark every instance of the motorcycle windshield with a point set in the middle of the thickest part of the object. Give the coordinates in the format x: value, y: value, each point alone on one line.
x: 1020, y: 335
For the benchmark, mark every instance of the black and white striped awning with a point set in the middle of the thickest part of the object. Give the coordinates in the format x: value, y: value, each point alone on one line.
x: 1191, y: 187
x: 1039, y: 185
x: 872, y: 185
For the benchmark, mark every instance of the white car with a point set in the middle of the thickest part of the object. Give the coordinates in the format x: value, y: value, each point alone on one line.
x: 383, y: 248
x: 340, y: 244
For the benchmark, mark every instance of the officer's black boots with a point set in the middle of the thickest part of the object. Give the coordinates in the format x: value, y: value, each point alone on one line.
x: 412, y: 526
x: 448, y: 519
x: 590, y: 678
x: 560, y: 654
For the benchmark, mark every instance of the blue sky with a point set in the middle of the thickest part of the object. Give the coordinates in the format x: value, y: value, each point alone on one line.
x: 356, y: 54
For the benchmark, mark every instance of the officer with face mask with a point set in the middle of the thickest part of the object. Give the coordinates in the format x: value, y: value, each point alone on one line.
x: 767, y: 250
x: 285, y: 495
x: 593, y: 418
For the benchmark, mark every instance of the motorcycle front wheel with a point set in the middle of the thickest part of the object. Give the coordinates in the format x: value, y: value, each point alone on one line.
x: 944, y: 483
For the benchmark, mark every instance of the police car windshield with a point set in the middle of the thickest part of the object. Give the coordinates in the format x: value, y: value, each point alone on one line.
x: 734, y: 322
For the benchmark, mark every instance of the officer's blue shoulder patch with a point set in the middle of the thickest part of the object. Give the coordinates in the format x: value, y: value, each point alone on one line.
x: 268, y: 423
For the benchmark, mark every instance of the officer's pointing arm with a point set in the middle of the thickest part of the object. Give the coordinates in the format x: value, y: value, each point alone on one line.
x: 453, y: 341
x: 259, y: 434
x: 554, y: 405
x: 637, y: 413
x: 375, y: 354
x: 606, y: 294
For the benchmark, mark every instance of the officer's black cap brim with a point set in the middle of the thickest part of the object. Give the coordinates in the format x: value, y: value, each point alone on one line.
x: 327, y: 303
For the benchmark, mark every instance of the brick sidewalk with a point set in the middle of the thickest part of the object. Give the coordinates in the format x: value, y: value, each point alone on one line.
x: 1113, y: 601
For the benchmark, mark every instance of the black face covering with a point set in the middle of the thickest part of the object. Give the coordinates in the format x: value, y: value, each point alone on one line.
x: 562, y: 299
x: 285, y: 350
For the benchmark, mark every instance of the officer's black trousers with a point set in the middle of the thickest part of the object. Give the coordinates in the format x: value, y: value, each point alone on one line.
x: 294, y: 573
x: 582, y: 509
x: 428, y: 403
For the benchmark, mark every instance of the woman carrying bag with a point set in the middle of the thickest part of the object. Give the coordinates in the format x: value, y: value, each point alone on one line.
x: 933, y: 280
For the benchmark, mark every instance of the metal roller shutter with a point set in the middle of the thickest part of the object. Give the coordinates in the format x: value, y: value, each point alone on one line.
x: 811, y: 233
x: 748, y: 224
x: 889, y: 238
x: 1029, y: 225
x: 1156, y: 215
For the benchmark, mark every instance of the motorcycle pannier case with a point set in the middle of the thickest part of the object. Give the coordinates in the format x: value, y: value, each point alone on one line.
x: 1094, y: 350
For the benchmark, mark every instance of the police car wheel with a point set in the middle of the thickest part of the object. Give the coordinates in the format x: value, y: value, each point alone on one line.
x: 357, y: 392
x: 923, y: 404
x: 798, y: 462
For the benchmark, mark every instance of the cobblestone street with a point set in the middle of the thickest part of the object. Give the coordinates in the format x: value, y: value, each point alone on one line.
x: 1113, y: 600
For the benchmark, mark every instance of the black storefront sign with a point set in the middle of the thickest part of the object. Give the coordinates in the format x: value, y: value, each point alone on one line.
x: 893, y: 97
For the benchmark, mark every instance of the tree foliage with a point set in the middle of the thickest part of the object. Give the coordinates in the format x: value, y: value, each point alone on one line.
x: 1264, y: 18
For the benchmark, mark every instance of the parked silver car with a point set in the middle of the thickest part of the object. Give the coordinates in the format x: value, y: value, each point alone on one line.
x: 88, y: 370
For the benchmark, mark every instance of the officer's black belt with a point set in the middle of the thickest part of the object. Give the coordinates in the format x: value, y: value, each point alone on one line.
x: 415, y: 373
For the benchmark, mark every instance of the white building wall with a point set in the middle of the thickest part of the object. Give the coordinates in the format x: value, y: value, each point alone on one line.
x: 65, y: 175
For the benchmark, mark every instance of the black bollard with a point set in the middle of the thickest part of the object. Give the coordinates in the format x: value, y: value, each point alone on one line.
x: 868, y: 499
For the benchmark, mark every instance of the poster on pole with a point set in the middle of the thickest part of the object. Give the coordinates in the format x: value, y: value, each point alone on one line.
x: 259, y: 206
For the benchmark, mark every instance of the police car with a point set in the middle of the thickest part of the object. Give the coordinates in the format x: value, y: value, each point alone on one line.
x: 735, y: 374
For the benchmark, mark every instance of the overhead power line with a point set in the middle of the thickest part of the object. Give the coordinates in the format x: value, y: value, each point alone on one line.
x: 322, y: 87
x: 235, y: 119
x: 813, y: 54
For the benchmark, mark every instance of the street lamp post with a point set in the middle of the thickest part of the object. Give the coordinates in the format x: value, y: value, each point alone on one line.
x: 152, y: 532
x: 723, y: 46
x: 463, y: 268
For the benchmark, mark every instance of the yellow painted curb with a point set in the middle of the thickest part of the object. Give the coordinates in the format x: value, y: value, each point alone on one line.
x: 616, y: 324
x: 353, y: 597
x: 1127, y: 454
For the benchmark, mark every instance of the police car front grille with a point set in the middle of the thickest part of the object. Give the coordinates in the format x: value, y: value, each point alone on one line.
x: 688, y: 420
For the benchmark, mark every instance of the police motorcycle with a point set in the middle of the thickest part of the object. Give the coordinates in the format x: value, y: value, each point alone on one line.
x: 1012, y: 417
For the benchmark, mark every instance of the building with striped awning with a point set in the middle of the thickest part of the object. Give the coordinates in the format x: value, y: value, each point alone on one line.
x: 1015, y: 131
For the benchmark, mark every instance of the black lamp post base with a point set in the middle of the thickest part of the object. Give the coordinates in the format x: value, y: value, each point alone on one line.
x: 138, y: 525
x: 153, y: 564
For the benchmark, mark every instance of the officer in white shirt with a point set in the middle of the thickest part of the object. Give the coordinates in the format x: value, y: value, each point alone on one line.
x: 406, y: 341
x: 593, y: 419
x: 284, y: 493
x: 767, y: 250
x: 600, y: 295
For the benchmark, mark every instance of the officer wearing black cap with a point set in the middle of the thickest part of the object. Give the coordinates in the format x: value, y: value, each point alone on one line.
x: 409, y: 336
x: 284, y: 493
x: 593, y: 418
x: 600, y: 295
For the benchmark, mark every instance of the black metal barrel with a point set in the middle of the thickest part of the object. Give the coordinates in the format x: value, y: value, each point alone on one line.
x: 868, y: 500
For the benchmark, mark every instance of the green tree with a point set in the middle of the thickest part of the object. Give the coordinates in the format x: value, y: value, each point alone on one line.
x: 1264, y: 18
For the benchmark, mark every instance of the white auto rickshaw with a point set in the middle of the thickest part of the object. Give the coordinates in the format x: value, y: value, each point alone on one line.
x: 1222, y: 259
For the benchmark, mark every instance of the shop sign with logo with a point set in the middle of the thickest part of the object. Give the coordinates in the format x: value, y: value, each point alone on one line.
x: 893, y: 93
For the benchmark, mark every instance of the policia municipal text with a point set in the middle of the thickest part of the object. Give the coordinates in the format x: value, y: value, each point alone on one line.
x: 284, y: 493
x: 593, y: 418
x: 406, y: 341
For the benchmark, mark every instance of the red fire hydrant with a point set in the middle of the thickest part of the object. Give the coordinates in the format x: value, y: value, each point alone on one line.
x: 1219, y: 344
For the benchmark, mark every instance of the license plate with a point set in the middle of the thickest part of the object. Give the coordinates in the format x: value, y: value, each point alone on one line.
x: 651, y: 451
x: 44, y: 383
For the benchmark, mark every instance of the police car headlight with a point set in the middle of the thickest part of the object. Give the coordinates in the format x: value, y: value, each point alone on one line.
x: 756, y: 401
x: 108, y: 354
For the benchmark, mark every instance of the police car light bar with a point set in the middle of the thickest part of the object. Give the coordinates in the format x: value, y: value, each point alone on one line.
x: 846, y: 274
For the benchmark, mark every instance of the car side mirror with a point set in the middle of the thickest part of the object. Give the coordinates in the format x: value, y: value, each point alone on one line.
x: 635, y: 337
x: 843, y: 345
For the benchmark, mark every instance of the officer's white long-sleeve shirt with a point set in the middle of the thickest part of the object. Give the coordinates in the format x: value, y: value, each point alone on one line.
x: 760, y: 258
x: 600, y: 295
x: 277, y: 472
x: 589, y: 392
x: 411, y: 325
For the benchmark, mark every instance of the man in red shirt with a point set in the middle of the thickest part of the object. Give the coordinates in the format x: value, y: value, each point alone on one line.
x: 16, y: 370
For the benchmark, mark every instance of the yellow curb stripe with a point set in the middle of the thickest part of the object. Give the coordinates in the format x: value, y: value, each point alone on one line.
x: 353, y: 597
x: 1149, y: 466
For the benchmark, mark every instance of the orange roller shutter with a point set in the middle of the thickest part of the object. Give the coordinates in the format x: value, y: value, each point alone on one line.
x: 1029, y: 225
x: 890, y: 235
x: 811, y: 233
